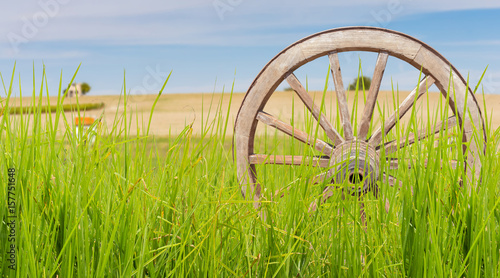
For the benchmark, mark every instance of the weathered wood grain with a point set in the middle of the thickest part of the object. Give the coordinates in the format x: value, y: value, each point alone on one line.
x: 404, y: 107
x: 314, y: 109
x: 318, y: 144
x: 341, y: 96
x: 289, y: 160
x: 394, y: 146
x: 372, y: 95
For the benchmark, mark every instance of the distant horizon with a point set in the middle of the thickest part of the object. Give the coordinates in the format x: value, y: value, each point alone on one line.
x: 198, y: 93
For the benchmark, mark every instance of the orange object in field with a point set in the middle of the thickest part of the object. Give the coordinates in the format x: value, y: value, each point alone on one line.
x: 84, y: 121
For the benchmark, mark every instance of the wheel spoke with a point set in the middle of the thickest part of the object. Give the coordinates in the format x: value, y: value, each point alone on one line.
x: 387, y: 205
x: 394, y: 163
x: 392, y: 180
x: 453, y: 164
x: 320, y: 178
x: 362, y: 213
x: 315, y: 110
x: 404, y: 107
x: 394, y: 146
x: 327, y: 193
x: 341, y: 96
x: 318, y: 144
x: 289, y: 160
x: 372, y: 95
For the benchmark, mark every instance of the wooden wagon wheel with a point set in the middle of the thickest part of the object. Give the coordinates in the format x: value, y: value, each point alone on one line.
x: 347, y: 152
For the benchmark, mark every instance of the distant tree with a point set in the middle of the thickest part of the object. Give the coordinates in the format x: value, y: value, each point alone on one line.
x: 362, y: 81
x: 85, y: 88
x: 288, y: 89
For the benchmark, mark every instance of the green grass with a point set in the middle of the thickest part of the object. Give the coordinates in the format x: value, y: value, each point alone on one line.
x: 171, y: 207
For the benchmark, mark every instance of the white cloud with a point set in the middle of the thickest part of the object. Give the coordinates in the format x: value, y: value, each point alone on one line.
x: 472, y: 43
x: 9, y: 53
x: 201, y: 21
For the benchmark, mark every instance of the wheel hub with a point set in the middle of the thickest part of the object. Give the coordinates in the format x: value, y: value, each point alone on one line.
x: 355, y: 163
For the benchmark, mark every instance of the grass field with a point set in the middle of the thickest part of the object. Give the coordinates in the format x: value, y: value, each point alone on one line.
x: 139, y: 203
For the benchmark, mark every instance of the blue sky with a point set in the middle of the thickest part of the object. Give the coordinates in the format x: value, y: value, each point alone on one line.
x: 208, y: 44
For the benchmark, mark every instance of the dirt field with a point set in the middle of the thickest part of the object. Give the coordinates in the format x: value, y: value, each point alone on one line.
x: 174, y: 111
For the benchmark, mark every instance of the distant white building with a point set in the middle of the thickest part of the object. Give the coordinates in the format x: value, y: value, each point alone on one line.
x: 74, y: 90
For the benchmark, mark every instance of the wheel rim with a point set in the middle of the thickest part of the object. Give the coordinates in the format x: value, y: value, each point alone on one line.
x: 435, y: 67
